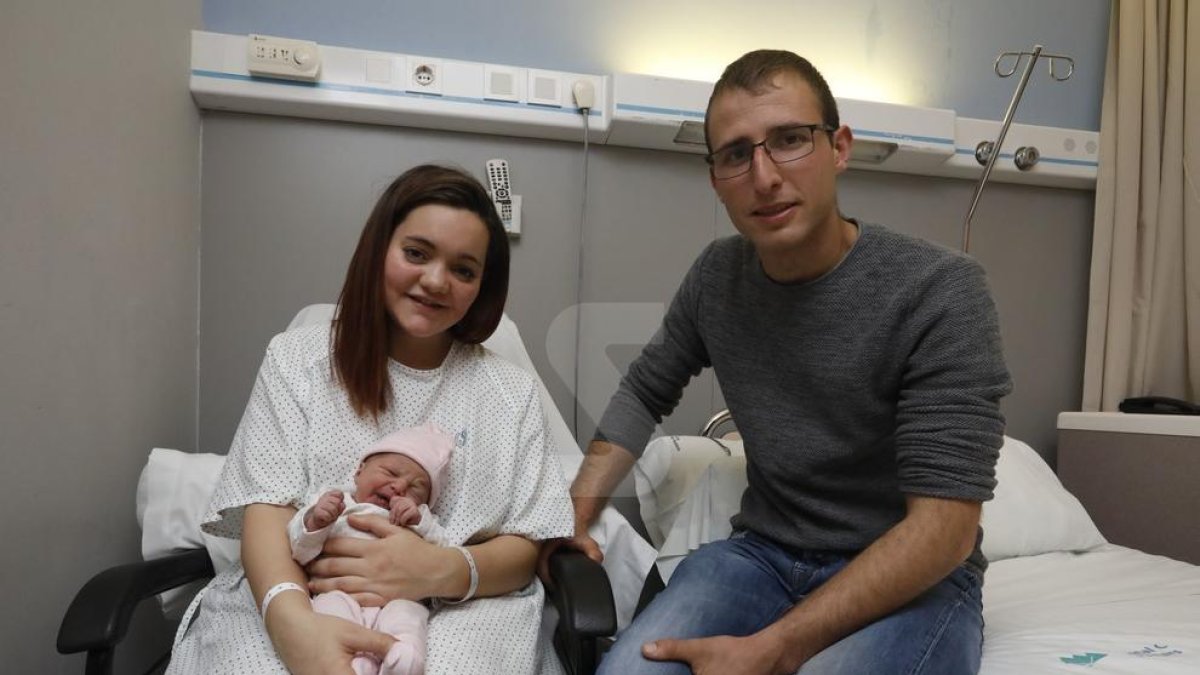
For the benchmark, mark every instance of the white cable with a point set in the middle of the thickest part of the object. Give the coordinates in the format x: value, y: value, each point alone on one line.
x: 579, y: 279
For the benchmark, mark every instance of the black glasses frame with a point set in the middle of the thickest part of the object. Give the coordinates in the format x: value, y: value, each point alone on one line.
x: 813, y: 128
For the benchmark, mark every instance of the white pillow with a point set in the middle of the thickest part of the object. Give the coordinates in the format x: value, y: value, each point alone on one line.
x: 172, y: 496
x: 689, y: 487
x: 1032, y: 512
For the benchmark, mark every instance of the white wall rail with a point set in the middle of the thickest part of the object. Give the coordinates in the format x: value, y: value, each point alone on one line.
x: 630, y: 110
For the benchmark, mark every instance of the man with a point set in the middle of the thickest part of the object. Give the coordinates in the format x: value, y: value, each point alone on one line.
x: 864, y: 371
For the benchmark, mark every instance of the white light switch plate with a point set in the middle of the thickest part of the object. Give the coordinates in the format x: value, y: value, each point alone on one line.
x: 268, y: 56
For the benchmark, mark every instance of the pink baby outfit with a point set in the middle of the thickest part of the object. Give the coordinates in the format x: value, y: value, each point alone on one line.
x: 405, y: 620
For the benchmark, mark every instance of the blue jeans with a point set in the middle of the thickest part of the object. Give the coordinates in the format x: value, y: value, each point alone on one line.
x: 743, y: 584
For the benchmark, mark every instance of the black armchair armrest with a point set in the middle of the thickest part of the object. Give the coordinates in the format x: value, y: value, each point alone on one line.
x: 99, y: 616
x: 587, y: 615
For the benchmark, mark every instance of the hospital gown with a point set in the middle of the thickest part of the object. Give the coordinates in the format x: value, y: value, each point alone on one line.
x: 299, y: 433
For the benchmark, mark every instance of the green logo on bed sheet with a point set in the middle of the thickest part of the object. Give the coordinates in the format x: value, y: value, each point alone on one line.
x: 1082, y: 659
x: 1157, y: 650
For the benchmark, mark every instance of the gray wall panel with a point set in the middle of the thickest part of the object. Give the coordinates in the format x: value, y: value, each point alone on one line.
x: 649, y: 216
x: 1035, y: 244
x: 99, y: 217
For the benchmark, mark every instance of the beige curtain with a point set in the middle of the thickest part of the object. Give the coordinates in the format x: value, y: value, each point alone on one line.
x: 1144, y: 307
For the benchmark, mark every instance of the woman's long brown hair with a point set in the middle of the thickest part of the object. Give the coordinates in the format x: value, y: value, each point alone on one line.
x: 361, y: 332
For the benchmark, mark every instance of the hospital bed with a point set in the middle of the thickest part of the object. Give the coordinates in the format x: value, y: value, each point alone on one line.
x: 1057, y: 596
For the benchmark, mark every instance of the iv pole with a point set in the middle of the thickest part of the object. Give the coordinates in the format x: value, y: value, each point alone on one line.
x: 987, y: 152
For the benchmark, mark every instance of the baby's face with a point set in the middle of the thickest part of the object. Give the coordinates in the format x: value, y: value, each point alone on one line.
x: 390, y: 474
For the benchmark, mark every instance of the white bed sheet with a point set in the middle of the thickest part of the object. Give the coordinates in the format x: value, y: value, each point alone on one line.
x: 1109, y: 610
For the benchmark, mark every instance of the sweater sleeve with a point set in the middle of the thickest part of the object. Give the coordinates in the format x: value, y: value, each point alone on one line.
x: 653, y: 386
x: 949, y: 427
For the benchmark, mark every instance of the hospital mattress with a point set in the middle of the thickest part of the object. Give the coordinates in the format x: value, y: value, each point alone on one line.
x: 1108, y: 610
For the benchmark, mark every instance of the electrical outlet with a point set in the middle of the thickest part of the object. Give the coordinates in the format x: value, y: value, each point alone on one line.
x: 424, y: 75
x: 268, y: 56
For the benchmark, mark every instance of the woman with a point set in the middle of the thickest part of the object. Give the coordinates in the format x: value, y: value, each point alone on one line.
x: 426, y: 285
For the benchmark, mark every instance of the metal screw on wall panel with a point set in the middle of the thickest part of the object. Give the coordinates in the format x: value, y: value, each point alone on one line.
x: 983, y: 152
x: 1026, y: 156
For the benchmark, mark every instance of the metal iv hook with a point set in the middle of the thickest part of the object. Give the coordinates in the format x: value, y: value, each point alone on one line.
x: 988, y: 151
x: 1053, y: 58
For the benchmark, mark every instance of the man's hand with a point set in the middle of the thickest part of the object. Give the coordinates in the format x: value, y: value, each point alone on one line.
x: 604, y: 465
x: 327, y: 509
x: 582, y: 542
x: 723, y: 655
x: 404, y: 511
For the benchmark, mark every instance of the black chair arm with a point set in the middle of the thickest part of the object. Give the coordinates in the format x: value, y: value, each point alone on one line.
x: 99, y: 616
x: 583, y: 597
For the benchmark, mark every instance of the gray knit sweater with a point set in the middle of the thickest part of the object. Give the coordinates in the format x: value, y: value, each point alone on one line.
x: 879, y: 379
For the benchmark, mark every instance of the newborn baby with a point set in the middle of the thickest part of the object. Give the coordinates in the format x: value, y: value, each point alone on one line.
x: 399, y: 477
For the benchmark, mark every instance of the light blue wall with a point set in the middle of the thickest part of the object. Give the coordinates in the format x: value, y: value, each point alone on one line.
x: 934, y: 53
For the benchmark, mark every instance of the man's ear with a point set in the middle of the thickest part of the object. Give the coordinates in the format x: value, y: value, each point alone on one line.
x: 842, y: 139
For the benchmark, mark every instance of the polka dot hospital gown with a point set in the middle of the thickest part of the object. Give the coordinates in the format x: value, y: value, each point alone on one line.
x: 299, y: 434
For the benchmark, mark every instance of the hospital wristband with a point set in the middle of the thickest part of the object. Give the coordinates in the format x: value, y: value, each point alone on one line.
x: 474, y: 585
x: 276, y: 590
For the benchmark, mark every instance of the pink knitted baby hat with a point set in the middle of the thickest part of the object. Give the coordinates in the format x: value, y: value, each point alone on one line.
x: 427, y: 445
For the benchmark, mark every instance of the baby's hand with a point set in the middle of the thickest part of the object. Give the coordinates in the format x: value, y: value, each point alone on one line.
x: 322, y: 514
x: 404, y: 511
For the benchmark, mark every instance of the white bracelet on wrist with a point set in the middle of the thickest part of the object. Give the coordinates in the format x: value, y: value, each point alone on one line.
x: 474, y: 584
x: 276, y: 590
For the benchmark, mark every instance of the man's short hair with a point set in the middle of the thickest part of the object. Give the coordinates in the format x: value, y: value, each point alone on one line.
x: 754, y: 71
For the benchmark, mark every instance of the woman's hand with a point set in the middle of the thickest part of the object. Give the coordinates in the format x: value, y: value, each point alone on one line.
x: 316, y: 644
x: 399, y: 564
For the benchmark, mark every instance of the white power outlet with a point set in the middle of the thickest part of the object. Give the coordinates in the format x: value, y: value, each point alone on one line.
x: 268, y: 56
x: 424, y: 75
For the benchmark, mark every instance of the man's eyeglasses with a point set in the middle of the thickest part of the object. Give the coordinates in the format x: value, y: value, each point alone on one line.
x: 785, y: 144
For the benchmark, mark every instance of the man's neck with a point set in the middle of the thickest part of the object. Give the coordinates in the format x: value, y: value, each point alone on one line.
x: 812, y: 258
